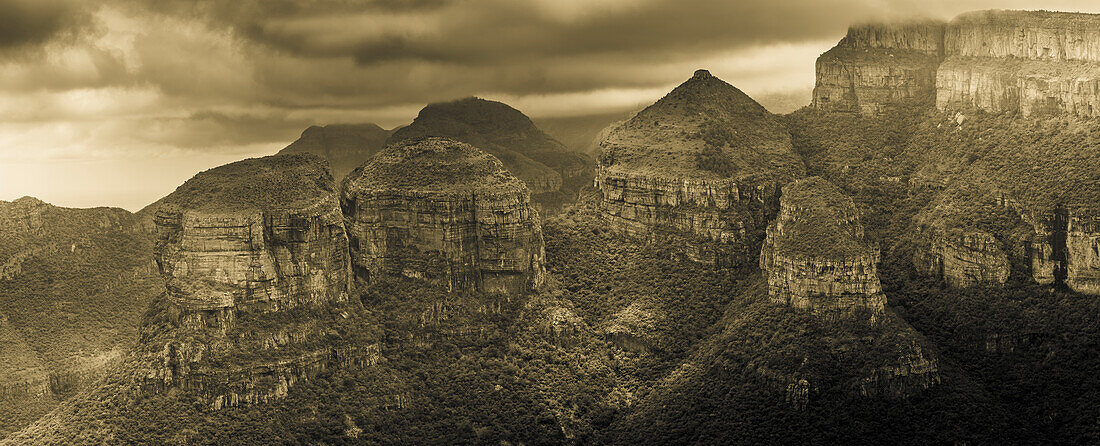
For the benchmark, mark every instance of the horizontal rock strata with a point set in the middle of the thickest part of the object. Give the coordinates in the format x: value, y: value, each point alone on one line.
x: 443, y: 211
x: 702, y: 165
x: 876, y: 67
x: 1031, y: 63
x: 815, y: 256
x: 254, y: 254
x: 964, y: 258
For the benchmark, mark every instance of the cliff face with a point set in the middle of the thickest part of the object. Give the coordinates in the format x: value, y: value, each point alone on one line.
x: 879, y: 66
x: 815, y: 256
x: 254, y: 253
x: 964, y: 259
x: 706, y: 162
x: 1032, y: 63
x: 443, y: 211
x: 1083, y: 254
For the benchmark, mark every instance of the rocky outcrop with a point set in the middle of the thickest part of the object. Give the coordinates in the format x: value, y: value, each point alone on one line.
x: 815, y: 256
x: 254, y: 253
x: 964, y: 258
x: 443, y: 211
x: 876, y: 67
x: 1065, y: 249
x: 1027, y: 87
x: 344, y: 146
x: 1026, y: 62
x: 1038, y: 35
x: 1083, y: 254
x: 546, y: 165
x: 705, y: 162
x: 915, y: 370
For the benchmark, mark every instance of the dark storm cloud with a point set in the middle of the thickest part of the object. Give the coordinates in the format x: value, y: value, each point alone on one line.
x: 29, y: 22
x: 209, y: 128
x: 487, y: 31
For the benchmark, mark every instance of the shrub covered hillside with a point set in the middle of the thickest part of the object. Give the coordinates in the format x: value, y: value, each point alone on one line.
x: 1029, y: 347
x: 73, y: 286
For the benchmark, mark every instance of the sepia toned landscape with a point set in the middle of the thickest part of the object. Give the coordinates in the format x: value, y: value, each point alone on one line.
x: 911, y: 255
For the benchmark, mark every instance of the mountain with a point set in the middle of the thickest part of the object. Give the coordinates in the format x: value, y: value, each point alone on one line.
x: 893, y: 271
x: 706, y: 161
x: 73, y: 286
x: 344, y: 146
x: 553, y: 172
x: 474, y: 227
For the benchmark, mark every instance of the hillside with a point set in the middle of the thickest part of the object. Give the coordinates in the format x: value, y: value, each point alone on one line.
x: 553, y: 172
x: 344, y: 146
x: 73, y: 285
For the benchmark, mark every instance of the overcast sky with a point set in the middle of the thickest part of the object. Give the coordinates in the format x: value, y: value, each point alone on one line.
x: 116, y: 102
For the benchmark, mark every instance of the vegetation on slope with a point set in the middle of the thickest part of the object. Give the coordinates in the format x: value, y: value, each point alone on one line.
x: 73, y: 287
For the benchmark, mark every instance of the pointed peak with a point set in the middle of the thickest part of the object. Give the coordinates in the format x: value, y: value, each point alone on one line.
x: 701, y: 74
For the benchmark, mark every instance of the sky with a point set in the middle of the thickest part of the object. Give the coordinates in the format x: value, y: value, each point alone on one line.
x: 117, y: 102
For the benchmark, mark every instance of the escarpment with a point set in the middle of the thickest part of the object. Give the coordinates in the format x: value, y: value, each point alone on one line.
x: 446, y: 212
x: 1026, y: 62
x: 549, y: 168
x: 255, y: 258
x: 880, y: 66
x: 704, y: 163
x: 815, y: 256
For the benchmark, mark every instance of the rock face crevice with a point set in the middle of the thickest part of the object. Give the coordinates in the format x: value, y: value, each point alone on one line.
x: 255, y: 256
x: 815, y: 256
x: 704, y: 163
x: 443, y: 211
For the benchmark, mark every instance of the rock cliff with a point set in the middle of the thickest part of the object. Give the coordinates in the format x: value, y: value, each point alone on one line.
x: 1027, y: 62
x: 344, y: 146
x: 880, y: 66
x: 705, y: 162
x: 444, y: 211
x: 255, y: 258
x: 815, y: 256
x: 546, y: 165
x: 970, y: 236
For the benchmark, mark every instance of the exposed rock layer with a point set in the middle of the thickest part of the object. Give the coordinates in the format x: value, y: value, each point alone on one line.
x: 964, y: 258
x: 815, y: 256
x: 257, y: 240
x: 878, y: 66
x: 1033, y: 63
x: 444, y: 211
x: 706, y: 161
